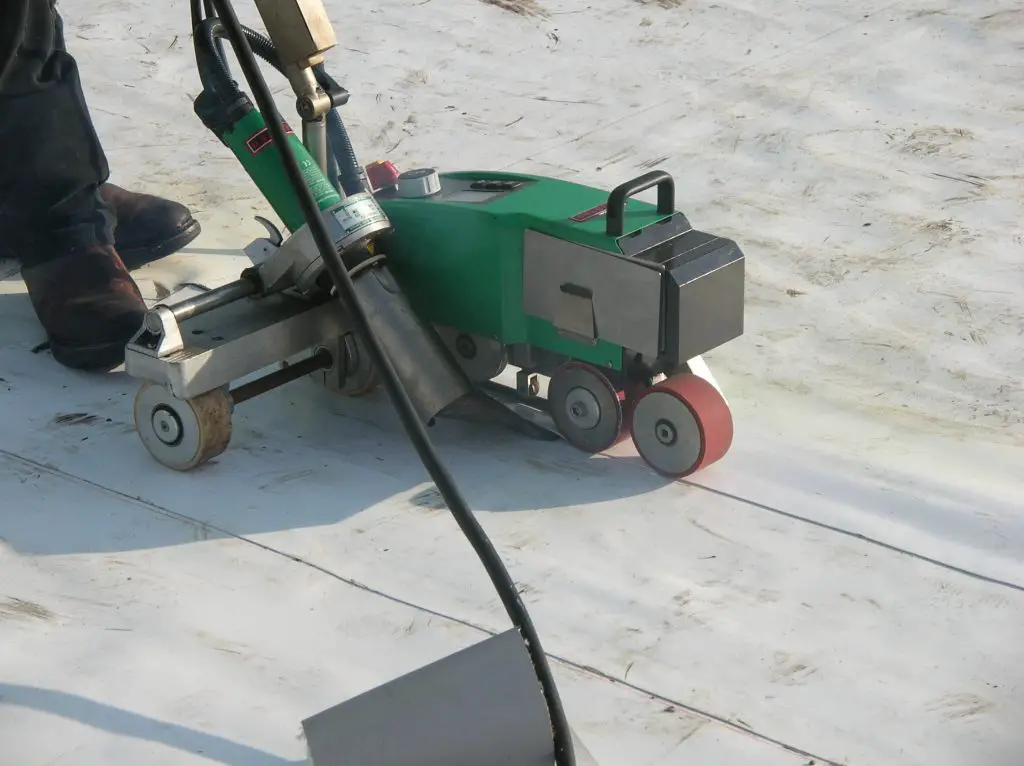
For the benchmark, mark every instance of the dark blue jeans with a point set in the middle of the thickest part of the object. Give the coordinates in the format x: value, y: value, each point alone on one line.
x: 51, y: 161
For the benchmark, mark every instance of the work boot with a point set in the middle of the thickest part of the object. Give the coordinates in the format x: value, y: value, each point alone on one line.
x: 148, y: 228
x: 89, y: 306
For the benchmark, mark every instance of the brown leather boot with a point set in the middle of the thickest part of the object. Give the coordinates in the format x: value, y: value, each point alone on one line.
x: 89, y: 306
x: 148, y: 228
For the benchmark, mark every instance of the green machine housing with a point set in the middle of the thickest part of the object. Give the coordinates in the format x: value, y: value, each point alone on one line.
x: 556, y: 271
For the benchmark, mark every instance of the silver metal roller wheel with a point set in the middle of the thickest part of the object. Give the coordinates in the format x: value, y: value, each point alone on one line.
x: 183, y: 433
x: 361, y: 374
x: 585, y: 407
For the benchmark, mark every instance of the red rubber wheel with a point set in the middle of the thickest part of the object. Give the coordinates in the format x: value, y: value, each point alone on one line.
x: 681, y: 425
x: 586, y: 407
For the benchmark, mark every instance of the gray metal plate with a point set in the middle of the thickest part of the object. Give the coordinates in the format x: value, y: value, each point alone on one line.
x: 625, y: 294
x: 482, y: 706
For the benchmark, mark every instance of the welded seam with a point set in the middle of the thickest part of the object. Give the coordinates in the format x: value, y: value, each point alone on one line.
x: 859, y: 536
x: 588, y: 670
x: 979, y: 576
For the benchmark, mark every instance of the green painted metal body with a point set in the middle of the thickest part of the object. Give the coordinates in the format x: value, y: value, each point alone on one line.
x: 461, y: 263
x: 252, y: 144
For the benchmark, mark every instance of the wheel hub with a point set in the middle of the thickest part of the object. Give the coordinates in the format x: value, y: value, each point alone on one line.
x: 583, y: 408
x: 665, y: 432
x: 166, y: 425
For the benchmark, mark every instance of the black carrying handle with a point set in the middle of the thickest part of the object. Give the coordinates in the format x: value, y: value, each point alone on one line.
x: 616, y: 213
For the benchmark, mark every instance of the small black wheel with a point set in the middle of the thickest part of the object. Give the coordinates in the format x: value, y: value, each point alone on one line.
x: 586, y: 407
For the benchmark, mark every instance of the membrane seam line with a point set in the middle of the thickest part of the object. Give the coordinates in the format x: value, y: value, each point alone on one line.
x: 578, y: 666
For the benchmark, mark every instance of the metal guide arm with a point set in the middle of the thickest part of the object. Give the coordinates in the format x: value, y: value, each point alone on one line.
x: 302, y: 33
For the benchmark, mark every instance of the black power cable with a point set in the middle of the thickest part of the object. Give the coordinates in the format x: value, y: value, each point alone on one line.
x: 500, y: 578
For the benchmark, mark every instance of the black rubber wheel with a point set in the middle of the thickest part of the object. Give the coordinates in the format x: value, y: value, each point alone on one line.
x: 585, y: 407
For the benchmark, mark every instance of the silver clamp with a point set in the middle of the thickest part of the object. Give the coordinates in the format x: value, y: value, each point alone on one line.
x: 161, y: 323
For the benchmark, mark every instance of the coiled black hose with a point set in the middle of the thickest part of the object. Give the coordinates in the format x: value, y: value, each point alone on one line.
x: 213, y: 69
x: 348, y: 168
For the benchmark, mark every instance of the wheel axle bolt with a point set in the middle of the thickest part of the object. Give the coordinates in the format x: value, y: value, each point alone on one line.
x: 166, y: 425
x: 665, y: 433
